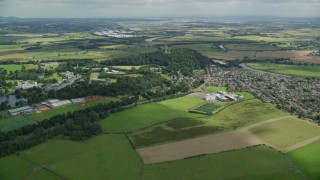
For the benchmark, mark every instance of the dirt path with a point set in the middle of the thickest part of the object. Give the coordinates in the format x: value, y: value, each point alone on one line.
x: 214, y: 143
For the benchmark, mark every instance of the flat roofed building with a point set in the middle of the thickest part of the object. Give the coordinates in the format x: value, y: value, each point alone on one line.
x: 78, y: 100
x: 21, y: 110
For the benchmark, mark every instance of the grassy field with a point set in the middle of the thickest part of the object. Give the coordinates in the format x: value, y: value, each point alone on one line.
x: 104, y: 156
x: 258, y: 162
x: 286, y: 132
x: 69, y: 108
x: 127, y: 67
x: 14, y: 123
x: 232, y: 117
x: 302, y: 71
x: 149, y: 114
x: 307, y: 159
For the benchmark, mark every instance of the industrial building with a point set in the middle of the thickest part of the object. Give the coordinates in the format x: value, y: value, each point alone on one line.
x: 21, y: 110
x: 57, y: 103
x: 78, y: 100
x: 222, y: 96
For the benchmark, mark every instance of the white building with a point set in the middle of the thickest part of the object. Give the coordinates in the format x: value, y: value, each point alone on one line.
x: 21, y: 110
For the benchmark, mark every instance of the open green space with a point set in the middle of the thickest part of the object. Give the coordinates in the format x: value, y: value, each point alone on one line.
x: 11, y: 123
x: 307, y: 159
x: 101, y: 157
x: 69, y: 108
x: 229, y: 118
x: 207, y: 108
x: 215, y: 88
x: 286, y: 132
x: 258, y: 162
x: 294, y: 70
x: 150, y: 114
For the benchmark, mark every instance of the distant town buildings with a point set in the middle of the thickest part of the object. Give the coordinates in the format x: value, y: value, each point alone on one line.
x: 27, y: 85
x: 222, y: 96
x: 116, y: 33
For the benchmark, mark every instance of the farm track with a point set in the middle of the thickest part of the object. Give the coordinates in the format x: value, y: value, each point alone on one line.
x: 214, y: 143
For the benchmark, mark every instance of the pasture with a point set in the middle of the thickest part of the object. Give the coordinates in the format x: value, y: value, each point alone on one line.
x: 286, y: 132
x: 258, y: 162
x: 215, y: 89
x: 127, y: 67
x: 102, y: 156
x: 11, y: 123
x: 150, y: 114
x: 294, y: 55
x: 307, y: 160
x: 230, y: 118
x: 293, y: 70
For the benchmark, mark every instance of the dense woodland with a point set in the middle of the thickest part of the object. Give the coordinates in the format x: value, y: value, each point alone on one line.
x: 179, y: 60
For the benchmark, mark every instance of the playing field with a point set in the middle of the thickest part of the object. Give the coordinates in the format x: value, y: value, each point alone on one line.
x: 258, y: 162
x: 293, y: 70
x: 286, y: 132
x: 69, y: 108
x: 307, y: 159
x: 11, y: 123
x: 215, y: 89
x: 105, y: 156
x: 150, y: 114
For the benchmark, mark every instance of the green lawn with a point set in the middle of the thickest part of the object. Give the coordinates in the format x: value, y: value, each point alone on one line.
x: 149, y: 114
x: 286, y: 132
x: 294, y: 70
x: 101, y: 157
x: 69, y: 108
x: 11, y: 123
x: 307, y: 159
x: 11, y: 67
x: 215, y: 89
x: 258, y: 162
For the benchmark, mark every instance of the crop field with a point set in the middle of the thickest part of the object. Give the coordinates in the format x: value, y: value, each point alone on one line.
x: 286, y: 132
x: 100, y: 157
x: 149, y: 114
x: 11, y: 123
x: 69, y: 108
x: 299, y: 56
x: 207, y: 108
x: 307, y: 160
x: 302, y: 71
x: 251, y: 47
x: 258, y: 162
x: 232, y: 117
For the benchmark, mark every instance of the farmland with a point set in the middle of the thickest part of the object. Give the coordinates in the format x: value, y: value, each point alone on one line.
x: 286, y: 132
x: 14, y: 123
x: 294, y: 70
x: 306, y: 159
x: 257, y: 162
x: 149, y: 114
x: 232, y: 117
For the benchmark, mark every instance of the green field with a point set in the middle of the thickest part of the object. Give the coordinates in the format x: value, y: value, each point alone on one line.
x: 69, y: 108
x: 258, y: 162
x: 147, y: 115
x: 14, y: 123
x: 207, y: 108
x: 232, y: 117
x: 293, y: 70
x: 286, y: 132
x: 101, y: 157
x: 307, y: 159
x: 215, y: 89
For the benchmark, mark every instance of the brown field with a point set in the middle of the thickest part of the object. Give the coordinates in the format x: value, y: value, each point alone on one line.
x: 300, y: 56
x: 203, y: 145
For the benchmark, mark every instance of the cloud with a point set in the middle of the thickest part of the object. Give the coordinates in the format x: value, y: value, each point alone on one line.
x: 124, y: 8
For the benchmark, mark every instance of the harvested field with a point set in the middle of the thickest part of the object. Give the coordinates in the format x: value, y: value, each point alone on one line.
x: 300, y: 56
x: 203, y: 145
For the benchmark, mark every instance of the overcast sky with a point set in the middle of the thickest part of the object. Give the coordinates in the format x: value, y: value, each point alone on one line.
x: 159, y: 8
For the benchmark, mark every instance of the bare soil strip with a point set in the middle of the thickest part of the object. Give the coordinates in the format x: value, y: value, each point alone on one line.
x: 203, y: 145
x: 214, y: 143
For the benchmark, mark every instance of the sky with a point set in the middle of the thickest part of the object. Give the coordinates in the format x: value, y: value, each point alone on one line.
x: 158, y: 8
